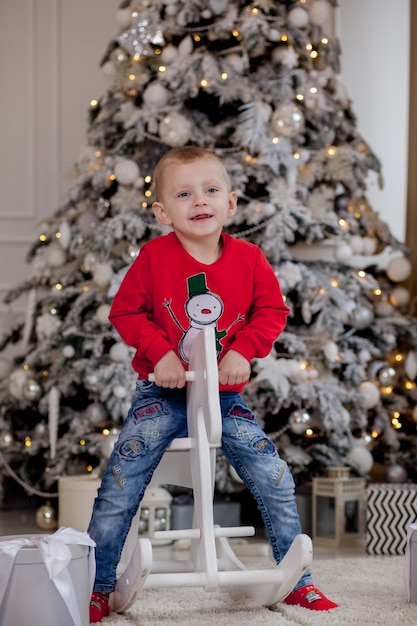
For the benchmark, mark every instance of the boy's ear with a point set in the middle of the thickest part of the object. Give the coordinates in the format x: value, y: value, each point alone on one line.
x: 160, y: 214
x: 232, y: 204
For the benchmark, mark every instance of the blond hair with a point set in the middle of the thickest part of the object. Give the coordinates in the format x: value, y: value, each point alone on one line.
x: 185, y: 154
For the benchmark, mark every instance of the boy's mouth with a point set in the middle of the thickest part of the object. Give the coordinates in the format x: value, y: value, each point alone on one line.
x: 201, y: 216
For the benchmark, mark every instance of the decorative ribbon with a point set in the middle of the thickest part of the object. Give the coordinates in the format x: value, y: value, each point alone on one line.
x: 56, y: 556
x: 407, y: 562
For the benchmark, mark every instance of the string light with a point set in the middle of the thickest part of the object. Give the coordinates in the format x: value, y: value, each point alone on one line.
x: 203, y: 82
x: 43, y: 238
x: 93, y: 104
x: 58, y: 286
x: 162, y: 68
x: 224, y: 76
x: 148, y: 179
x: 28, y: 442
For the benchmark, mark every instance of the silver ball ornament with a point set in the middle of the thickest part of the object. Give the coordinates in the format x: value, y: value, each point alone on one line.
x: 32, y: 390
x: 361, y: 317
x: 287, y: 120
x: 175, y: 130
x: 396, y: 474
x: 299, y: 421
x: 46, y: 518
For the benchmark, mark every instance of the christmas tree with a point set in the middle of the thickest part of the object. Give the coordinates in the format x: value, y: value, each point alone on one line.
x: 258, y: 83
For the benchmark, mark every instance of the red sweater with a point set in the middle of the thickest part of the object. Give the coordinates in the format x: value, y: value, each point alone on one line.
x: 167, y: 296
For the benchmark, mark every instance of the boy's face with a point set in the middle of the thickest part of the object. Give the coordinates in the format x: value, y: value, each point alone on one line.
x: 195, y: 199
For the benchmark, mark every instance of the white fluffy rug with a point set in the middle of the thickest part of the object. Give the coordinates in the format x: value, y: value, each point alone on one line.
x: 370, y: 591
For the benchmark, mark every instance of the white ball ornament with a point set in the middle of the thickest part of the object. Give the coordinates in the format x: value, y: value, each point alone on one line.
x: 356, y: 243
x: 319, y: 12
x: 343, y: 253
x: 119, y: 352
x: 155, y: 95
x: 102, y: 313
x: 126, y: 171
x: 396, y: 474
x: 398, y: 269
x: 56, y: 256
x: 68, y: 351
x: 103, y: 274
x: 298, y: 17
x: 369, y: 393
x: 119, y: 391
x: 96, y: 413
x: 361, y: 317
x: 361, y: 457
x: 175, y: 130
x: 369, y: 245
x: 400, y: 296
x: 384, y: 308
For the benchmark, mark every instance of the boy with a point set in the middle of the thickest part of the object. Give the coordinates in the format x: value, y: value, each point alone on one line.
x: 180, y: 282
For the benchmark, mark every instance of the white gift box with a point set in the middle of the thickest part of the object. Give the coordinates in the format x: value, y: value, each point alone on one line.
x: 46, y: 579
x: 410, y: 566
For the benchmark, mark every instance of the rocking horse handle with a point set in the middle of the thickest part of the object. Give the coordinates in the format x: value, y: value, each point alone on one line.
x: 189, y: 377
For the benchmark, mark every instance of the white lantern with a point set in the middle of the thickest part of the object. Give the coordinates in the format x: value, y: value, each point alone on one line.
x: 155, y: 513
x: 339, y: 505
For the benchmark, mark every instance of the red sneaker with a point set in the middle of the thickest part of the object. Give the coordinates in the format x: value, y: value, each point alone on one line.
x: 310, y: 598
x: 99, y: 606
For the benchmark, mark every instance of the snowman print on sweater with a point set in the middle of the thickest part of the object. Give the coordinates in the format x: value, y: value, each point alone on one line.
x: 203, y: 309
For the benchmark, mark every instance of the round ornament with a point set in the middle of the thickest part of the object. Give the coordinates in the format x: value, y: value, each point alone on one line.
x: 119, y: 352
x: 102, y: 274
x: 319, y: 12
x: 175, y: 130
x: 341, y: 202
x: 155, y: 95
x: 102, y: 313
x: 400, y: 296
x: 130, y: 253
x: 361, y: 317
x: 398, y: 269
x: 96, y: 413
x: 384, y: 308
x: 396, y: 474
x: 126, y: 171
x: 287, y: 120
x: 298, y: 17
x: 119, y: 391
x: 369, y: 393
x: 361, y: 457
x: 343, y: 252
x: 56, y: 255
x: 387, y: 376
x: 369, y: 245
x: 87, y: 222
x: 299, y: 421
x: 45, y: 517
x: 356, y: 243
x: 6, y: 439
x: 68, y: 351
x: 32, y: 390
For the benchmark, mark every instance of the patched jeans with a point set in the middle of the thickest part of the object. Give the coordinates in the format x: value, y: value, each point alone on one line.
x: 156, y: 417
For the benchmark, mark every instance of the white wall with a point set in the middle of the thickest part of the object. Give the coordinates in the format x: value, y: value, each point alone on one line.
x: 374, y: 38
x: 49, y: 56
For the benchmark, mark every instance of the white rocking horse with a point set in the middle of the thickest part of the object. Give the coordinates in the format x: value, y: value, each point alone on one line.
x: 190, y: 462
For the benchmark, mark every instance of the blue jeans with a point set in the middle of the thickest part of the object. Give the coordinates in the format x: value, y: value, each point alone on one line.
x: 156, y: 417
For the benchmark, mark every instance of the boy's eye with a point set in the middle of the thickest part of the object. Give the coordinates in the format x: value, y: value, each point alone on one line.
x: 212, y: 189
x: 183, y: 194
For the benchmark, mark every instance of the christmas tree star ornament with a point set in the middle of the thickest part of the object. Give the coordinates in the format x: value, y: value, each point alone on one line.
x: 143, y: 34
